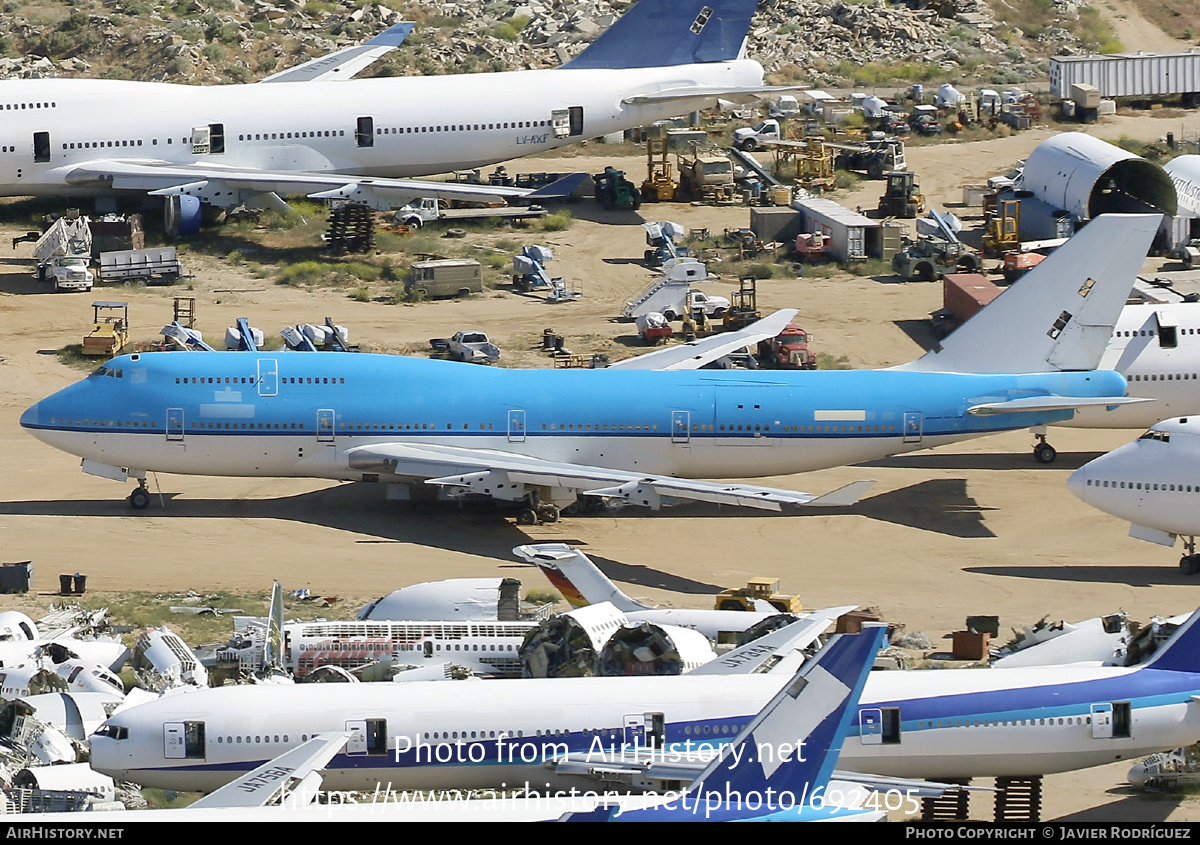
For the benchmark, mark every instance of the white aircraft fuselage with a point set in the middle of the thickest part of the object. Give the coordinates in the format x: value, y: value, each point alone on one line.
x: 1157, y: 347
x: 388, y: 127
x: 968, y: 723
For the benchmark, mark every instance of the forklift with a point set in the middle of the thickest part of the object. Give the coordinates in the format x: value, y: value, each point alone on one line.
x: 660, y: 184
x: 743, y: 309
x: 903, y: 197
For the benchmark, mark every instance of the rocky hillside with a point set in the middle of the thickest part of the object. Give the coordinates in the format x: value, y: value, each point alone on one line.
x: 815, y: 41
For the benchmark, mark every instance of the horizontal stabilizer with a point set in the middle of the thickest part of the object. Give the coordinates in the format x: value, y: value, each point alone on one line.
x: 1052, y: 403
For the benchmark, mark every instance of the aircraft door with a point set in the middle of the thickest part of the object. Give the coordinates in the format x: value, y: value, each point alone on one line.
x: 174, y: 747
x: 175, y: 424
x: 516, y: 426
x: 356, y: 745
x: 680, y: 423
x: 268, y: 376
x: 913, y: 425
x: 41, y: 146
x: 870, y: 727
x: 1102, y: 721
x: 635, y: 730
x: 325, y: 420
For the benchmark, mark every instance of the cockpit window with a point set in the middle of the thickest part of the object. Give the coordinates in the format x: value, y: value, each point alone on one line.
x: 108, y: 372
x: 112, y: 731
x: 1164, y: 436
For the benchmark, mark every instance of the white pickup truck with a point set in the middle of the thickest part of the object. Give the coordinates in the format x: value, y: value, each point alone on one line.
x: 472, y: 347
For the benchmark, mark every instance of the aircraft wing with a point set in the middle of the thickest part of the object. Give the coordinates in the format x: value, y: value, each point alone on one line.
x: 293, y: 772
x: 1051, y: 403
x: 345, y: 63
x: 757, y: 655
x: 489, y: 472
x: 695, y: 354
x: 692, y: 92
x: 218, y: 184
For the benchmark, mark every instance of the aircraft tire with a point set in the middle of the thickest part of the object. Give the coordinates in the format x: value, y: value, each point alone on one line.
x: 548, y: 513
x: 527, y: 516
x: 1189, y: 564
x: 139, y: 499
x: 1045, y: 453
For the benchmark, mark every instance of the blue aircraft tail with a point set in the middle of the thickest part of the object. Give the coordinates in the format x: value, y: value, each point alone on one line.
x: 662, y: 33
x: 779, y: 764
x: 791, y: 746
x: 1180, y: 653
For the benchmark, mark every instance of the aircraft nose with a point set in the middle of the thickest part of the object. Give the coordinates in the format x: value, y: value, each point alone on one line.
x: 32, y: 415
x: 1077, y: 483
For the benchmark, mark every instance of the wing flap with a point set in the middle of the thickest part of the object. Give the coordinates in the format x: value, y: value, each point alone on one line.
x: 503, y: 475
x: 213, y: 183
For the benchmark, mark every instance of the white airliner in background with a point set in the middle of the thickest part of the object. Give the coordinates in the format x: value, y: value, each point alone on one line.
x: 1154, y: 482
x: 540, y: 439
x: 315, y: 131
x: 909, y: 724
x: 777, y: 768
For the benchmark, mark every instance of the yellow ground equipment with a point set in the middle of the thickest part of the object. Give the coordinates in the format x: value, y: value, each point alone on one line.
x: 758, y: 589
x: 110, y: 329
x: 660, y: 184
x: 1004, y: 229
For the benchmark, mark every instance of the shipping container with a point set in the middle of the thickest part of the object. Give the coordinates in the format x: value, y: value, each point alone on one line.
x: 1129, y: 75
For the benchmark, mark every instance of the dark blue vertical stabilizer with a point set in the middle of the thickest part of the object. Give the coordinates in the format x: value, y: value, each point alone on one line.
x: 1180, y: 653
x: 662, y: 33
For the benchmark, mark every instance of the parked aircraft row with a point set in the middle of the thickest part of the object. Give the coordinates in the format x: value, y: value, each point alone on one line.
x: 777, y: 767
x: 542, y: 438
x: 966, y: 723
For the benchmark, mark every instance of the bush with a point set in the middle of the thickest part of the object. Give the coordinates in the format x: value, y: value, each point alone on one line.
x: 558, y: 221
x: 760, y: 271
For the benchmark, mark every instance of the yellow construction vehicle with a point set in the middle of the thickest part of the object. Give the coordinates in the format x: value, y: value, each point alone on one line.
x: 1004, y: 229
x: 660, y: 184
x: 758, y: 589
x: 109, y: 333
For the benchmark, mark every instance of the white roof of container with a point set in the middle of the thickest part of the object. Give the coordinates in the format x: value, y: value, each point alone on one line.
x: 817, y: 95
x: 830, y: 209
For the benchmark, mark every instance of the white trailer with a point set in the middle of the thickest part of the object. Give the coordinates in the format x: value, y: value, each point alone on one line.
x: 1130, y: 75
x: 850, y: 236
x: 153, y: 264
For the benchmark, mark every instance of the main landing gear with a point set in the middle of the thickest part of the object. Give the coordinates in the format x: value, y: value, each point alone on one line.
x: 537, y: 512
x: 139, y: 499
x: 1189, y: 564
x: 1043, y: 451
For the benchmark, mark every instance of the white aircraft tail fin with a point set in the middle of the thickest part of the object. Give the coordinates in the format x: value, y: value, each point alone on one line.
x: 578, y: 579
x: 1060, y: 315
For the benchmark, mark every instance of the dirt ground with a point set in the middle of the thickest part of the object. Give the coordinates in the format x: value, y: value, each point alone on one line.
x: 973, y: 529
